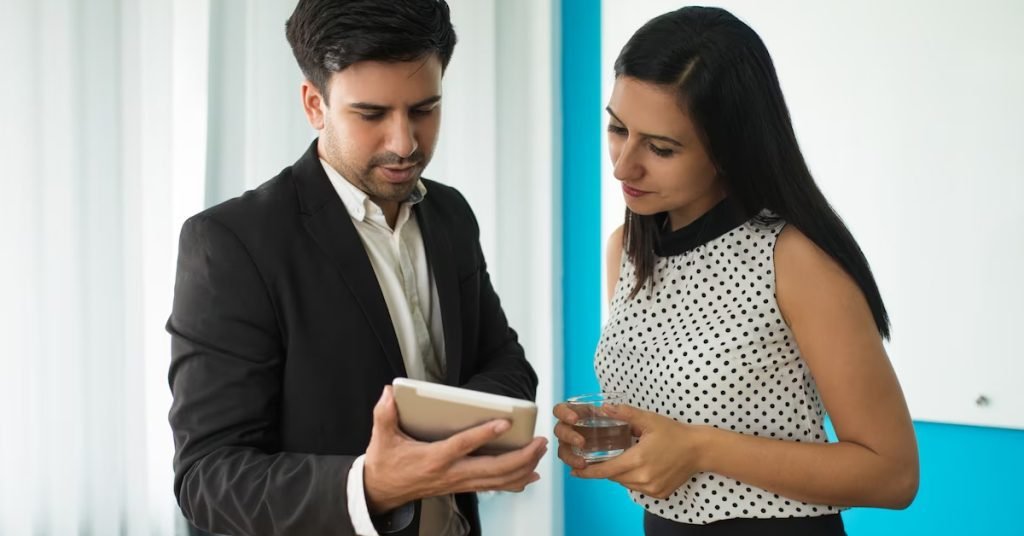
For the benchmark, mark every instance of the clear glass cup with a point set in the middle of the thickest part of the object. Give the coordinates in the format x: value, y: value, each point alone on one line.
x: 604, y: 437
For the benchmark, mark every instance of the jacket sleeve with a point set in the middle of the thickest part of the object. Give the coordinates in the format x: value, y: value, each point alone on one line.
x: 230, y: 475
x: 502, y: 366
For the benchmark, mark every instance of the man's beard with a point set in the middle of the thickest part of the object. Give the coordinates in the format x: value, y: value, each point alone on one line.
x: 379, y: 189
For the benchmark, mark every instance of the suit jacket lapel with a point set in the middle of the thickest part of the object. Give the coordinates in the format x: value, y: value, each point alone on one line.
x: 331, y: 227
x: 439, y: 257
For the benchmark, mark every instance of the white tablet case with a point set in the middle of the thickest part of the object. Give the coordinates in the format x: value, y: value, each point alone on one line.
x: 432, y: 411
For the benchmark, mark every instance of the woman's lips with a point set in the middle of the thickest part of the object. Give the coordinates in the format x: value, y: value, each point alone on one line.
x: 633, y: 192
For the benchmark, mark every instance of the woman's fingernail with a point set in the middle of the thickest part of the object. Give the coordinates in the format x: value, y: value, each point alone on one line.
x: 502, y: 426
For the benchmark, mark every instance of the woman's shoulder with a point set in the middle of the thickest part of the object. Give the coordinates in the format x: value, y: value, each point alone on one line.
x: 615, y: 238
x: 756, y: 235
x: 614, y: 259
x: 613, y: 249
x: 766, y: 221
x: 800, y: 259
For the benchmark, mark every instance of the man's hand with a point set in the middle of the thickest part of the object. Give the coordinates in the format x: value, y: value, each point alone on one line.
x: 399, y: 469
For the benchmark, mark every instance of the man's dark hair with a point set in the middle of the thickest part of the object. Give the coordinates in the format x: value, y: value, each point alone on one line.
x: 327, y: 36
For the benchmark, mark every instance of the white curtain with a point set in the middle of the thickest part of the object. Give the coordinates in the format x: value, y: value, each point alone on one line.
x: 120, y: 118
x: 111, y: 124
x: 500, y: 146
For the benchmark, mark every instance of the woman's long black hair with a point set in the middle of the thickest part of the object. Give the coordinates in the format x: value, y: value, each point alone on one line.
x: 726, y: 81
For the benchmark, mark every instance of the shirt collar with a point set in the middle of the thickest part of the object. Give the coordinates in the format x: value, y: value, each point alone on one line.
x: 727, y: 215
x: 357, y: 203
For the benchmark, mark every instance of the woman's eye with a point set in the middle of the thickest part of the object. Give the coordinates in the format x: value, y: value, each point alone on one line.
x: 617, y: 130
x: 658, y: 151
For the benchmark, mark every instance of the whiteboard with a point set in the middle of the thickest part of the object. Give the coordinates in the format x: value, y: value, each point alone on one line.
x: 909, y: 115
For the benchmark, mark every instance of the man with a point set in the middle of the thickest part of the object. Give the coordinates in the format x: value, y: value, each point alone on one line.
x: 297, y: 303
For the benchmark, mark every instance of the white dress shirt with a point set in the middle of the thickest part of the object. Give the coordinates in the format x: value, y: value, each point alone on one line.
x: 399, y: 261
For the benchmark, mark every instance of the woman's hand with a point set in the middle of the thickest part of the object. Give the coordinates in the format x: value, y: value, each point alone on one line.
x: 567, y: 437
x: 667, y: 454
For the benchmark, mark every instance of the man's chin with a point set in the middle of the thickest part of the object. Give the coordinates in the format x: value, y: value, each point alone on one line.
x: 387, y: 191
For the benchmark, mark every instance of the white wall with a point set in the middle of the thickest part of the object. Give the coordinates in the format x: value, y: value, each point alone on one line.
x: 909, y: 114
x: 102, y: 140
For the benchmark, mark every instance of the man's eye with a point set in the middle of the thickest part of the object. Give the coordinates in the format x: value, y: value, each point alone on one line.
x: 371, y: 117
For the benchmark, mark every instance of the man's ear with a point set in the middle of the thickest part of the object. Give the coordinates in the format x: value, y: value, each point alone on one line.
x: 314, y: 104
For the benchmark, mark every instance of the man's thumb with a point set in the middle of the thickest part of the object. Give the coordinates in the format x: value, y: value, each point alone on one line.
x: 385, y: 415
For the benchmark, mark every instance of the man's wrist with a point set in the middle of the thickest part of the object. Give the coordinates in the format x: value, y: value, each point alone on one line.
x: 378, y: 505
x: 378, y: 502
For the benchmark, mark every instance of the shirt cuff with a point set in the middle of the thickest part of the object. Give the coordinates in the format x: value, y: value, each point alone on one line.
x: 364, y: 524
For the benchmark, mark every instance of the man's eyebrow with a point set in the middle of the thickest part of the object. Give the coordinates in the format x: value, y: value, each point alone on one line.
x: 427, y: 102
x: 370, y: 107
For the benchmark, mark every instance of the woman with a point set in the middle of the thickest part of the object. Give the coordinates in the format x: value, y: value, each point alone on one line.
x: 741, y: 309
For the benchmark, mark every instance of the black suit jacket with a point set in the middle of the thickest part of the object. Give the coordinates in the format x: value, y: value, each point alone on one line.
x: 282, y: 344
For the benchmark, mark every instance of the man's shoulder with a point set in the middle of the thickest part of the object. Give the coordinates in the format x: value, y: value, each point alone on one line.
x: 269, y: 204
x: 450, y: 202
x: 444, y: 194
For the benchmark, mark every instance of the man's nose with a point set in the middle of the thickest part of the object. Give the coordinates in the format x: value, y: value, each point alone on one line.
x: 401, y: 138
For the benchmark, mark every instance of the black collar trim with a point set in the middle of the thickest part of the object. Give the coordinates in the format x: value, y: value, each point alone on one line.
x: 722, y: 218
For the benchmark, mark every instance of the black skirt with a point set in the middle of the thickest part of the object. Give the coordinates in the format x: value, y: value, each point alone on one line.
x: 828, y: 525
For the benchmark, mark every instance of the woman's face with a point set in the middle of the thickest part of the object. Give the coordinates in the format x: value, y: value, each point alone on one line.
x: 657, y: 154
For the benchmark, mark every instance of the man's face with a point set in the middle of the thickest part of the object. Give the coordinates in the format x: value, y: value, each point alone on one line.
x: 380, y: 125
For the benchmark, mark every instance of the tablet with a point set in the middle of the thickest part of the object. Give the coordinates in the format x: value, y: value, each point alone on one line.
x: 433, y: 411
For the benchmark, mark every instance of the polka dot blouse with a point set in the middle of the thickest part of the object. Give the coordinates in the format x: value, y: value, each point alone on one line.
x: 704, y: 343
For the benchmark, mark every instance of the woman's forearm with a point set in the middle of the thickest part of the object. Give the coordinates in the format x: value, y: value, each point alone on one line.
x: 838, y: 474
